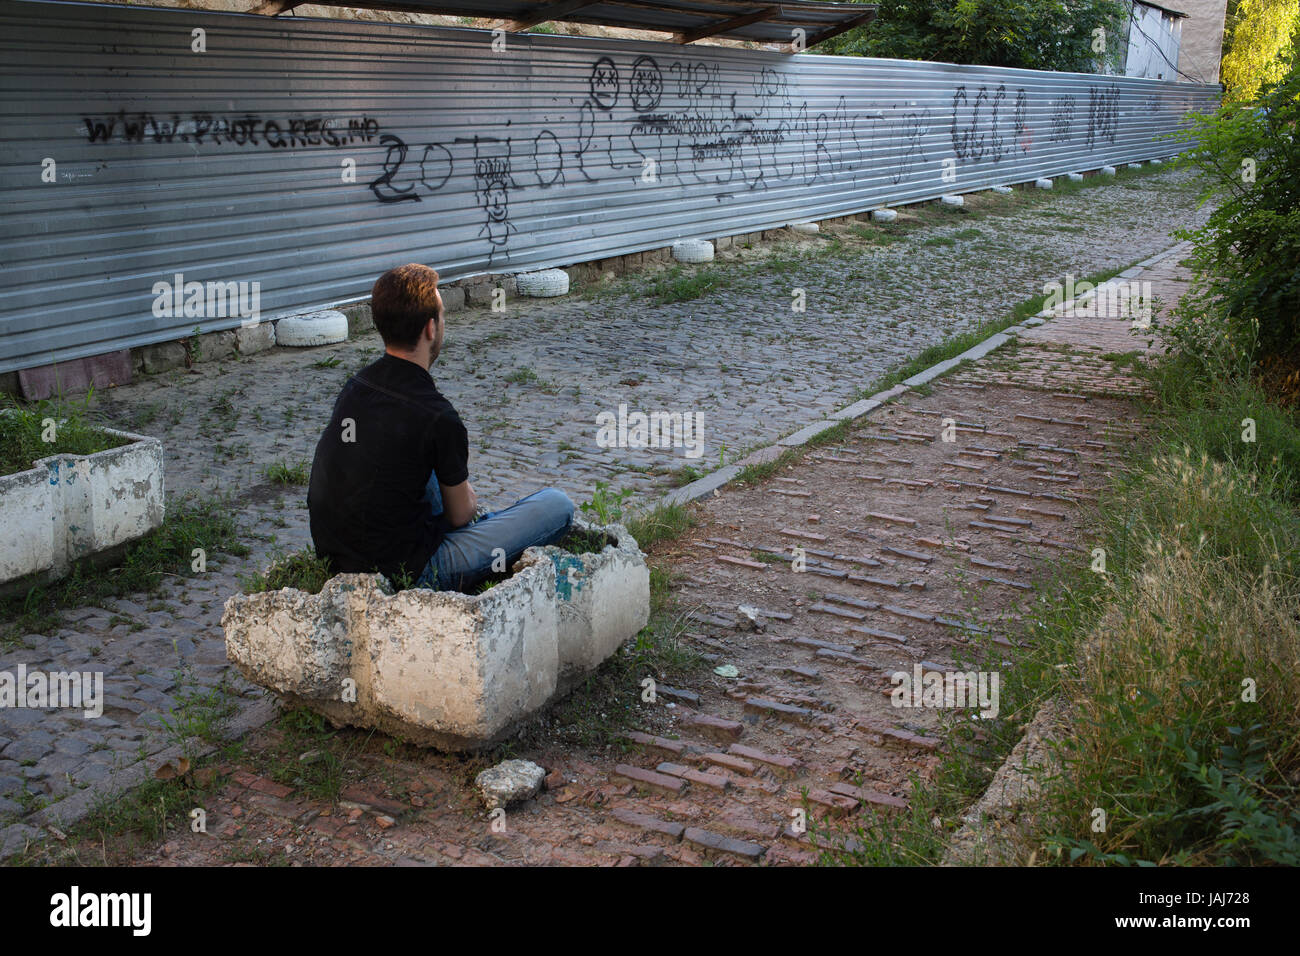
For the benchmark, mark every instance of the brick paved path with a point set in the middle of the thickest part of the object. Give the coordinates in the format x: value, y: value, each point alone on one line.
x: 918, y: 550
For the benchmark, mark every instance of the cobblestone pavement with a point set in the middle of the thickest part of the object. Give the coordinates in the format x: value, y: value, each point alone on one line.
x: 919, y: 549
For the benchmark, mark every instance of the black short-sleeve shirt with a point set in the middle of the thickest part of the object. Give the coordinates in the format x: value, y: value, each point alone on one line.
x: 390, y: 430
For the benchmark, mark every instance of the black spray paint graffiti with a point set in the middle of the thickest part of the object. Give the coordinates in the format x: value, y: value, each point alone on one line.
x: 978, y: 126
x: 689, y: 124
x: 1062, y: 119
x: 242, y: 129
x: 1103, y: 115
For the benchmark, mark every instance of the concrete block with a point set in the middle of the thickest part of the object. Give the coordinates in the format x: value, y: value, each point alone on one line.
x: 1108, y: 170
x: 1002, y: 190
x: 440, y: 668
x: 360, y: 319
x: 68, y: 507
x: 952, y: 200
x: 255, y: 338
x: 1043, y: 183
x: 478, y: 294
x: 884, y: 215
x: 453, y: 298
x: 1075, y: 177
x: 162, y: 357
x: 215, y: 346
x: 806, y: 228
x: 722, y: 242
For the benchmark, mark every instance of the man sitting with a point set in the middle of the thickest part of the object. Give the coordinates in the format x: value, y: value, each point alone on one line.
x: 390, y: 487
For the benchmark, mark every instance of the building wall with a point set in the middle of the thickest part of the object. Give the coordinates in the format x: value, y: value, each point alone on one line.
x: 1153, y: 43
x: 1202, y: 45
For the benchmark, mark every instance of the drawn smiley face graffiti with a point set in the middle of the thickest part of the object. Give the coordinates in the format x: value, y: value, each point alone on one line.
x: 604, y: 83
x: 647, y: 84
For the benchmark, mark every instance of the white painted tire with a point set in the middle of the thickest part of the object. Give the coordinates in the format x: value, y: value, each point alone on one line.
x: 313, y: 328
x: 543, y: 284
x: 693, y: 250
x: 807, y: 228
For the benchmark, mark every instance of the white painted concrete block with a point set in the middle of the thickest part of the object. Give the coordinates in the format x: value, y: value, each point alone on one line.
x: 884, y: 215
x: 1002, y: 190
x: 1108, y: 170
x: 952, y: 200
x: 450, y: 670
x: 807, y: 228
x: 68, y: 507
x: 1043, y: 183
x: 1075, y: 177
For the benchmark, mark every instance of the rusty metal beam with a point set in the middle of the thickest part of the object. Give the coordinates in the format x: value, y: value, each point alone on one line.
x: 722, y: 26
x: 547, y: 11
x: 839, y: 28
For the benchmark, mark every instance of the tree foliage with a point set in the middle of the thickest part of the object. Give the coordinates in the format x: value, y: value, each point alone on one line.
x: 1032, y: 34
x: 1257, y: 44
x: 1247, y: 255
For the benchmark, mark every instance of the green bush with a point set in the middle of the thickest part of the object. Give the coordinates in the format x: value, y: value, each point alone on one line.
x: 1247, y: 255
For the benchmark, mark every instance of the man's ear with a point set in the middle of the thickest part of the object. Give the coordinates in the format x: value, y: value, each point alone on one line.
x: 431, y: 329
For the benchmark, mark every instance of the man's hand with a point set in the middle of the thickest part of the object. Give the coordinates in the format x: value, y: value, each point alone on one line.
x: 458, y: 503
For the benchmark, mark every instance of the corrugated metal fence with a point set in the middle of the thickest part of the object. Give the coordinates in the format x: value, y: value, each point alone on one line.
x: 308, y: 156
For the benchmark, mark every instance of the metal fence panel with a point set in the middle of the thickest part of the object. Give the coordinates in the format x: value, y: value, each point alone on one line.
x: 302, y: 158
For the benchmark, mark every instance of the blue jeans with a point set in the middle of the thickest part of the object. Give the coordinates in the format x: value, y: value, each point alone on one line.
x: 466, y: 556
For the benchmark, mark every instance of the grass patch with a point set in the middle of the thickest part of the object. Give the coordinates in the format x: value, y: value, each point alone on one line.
x: 283, y: 473
x: 51, y: 427
x: 678, y: 284
x: 301, y: 569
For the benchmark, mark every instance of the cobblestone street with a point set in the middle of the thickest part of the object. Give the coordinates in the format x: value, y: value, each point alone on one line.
x: 530, y: 384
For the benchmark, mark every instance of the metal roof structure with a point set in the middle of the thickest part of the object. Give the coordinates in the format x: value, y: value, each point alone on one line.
x: 686, y: 20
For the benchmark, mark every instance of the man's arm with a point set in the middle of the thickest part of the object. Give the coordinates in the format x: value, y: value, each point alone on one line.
x: 458, y: 503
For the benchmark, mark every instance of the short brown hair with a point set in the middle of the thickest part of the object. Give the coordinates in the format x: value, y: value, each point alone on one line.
x: 402, y: 301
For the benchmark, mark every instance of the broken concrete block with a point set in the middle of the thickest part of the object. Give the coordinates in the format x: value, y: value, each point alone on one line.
x: 509, y: 782
x: 255, y: 338
x: 440, y: 668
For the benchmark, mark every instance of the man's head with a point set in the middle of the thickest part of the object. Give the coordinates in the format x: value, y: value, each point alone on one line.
x: 407, y: 310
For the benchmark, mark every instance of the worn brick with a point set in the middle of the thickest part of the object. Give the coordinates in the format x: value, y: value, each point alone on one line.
x: 719, y: 728
x: 731, y: 762
x: 713, y: 780
x: 644, y: 821
x: 772, y: 760
x: 724, y: 844
x: 649, y: 778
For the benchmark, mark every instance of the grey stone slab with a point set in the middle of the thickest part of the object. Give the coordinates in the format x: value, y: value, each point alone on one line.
x: 22, y: 750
